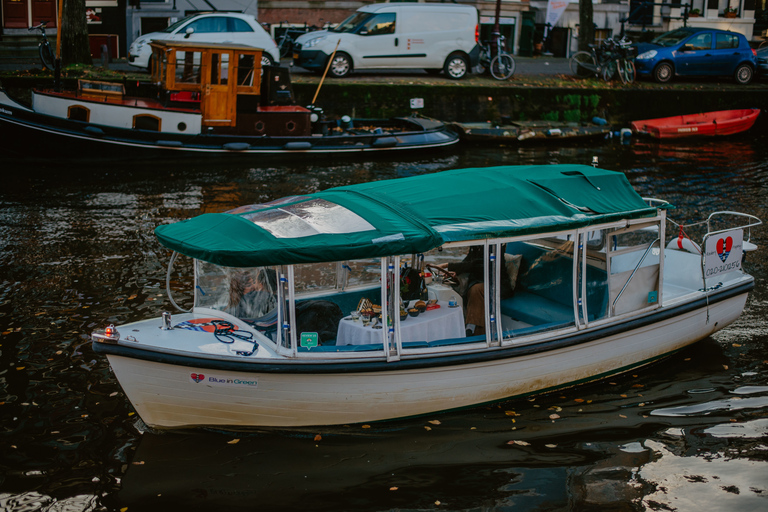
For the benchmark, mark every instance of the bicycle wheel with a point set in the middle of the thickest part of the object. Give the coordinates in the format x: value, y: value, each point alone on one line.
x: 502, y: 66
x: 622, y: 70
x: 47, y: 56
x: 608, y: 70
x: 583, y: 64
x: 629, y: 70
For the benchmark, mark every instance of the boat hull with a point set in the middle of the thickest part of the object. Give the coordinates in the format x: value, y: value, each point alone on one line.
x: 528, y: 132
x: 19, y: 126
x: 187, y: 395
x: 707, y: 124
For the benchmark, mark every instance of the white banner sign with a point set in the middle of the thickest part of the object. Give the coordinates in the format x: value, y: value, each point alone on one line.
x: 723, y: 253
x: 555, y: 9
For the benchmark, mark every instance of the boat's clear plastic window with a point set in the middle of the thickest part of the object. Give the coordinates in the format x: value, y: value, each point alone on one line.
x: 316, y: 216
x: 327, y: 292
x: 247, y: 293
x: 540, y: 272
x: 633, y: 263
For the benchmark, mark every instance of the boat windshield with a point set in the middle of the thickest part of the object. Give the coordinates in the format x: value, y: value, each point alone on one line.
x: 672, y: 38
x: 352, y: 23
x: 307, y: 218
x: 247, y: 293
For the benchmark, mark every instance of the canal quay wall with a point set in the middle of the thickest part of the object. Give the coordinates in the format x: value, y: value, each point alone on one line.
x: 554, y: 95
x: 577, y: 101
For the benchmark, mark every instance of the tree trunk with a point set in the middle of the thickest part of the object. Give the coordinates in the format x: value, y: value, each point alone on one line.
x: 586, y: 25
x: 74, y: 34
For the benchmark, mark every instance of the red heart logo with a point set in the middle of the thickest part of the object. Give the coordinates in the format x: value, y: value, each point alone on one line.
x: 728, y: 244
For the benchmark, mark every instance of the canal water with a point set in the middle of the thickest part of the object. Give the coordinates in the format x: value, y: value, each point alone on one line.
x: 77, y: 252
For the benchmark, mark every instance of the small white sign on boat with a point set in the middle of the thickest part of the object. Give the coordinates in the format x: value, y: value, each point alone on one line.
x: 723, y: 253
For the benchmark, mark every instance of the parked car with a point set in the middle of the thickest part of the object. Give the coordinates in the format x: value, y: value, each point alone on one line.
x: 210, y: 27
x: 762, y: 62
x: 690, y: 51
x: 435, y: 37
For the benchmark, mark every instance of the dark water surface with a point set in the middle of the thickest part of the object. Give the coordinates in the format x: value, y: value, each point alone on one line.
x: 77, y: 252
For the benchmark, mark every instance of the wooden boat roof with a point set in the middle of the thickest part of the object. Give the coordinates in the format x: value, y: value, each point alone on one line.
x: 408, y: 215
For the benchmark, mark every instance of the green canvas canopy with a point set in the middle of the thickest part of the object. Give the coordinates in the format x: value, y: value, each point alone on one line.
x: 408, y: 215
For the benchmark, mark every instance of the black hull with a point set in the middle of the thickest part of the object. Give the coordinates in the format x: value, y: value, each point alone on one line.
x: 28, y: 134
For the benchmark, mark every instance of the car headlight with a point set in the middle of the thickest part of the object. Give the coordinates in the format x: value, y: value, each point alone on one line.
x: 313, y: 42
x: 647, y: 55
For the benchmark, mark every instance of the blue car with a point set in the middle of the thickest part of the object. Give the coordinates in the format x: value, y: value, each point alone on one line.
x: 692, y: 51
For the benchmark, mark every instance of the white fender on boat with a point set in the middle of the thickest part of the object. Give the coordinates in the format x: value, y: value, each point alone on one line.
x: 683, y: 243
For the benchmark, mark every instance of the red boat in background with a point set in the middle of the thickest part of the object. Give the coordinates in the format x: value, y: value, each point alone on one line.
x: 706, y: 124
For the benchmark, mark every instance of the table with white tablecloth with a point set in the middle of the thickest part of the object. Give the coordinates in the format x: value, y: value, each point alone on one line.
x: 434, y: 324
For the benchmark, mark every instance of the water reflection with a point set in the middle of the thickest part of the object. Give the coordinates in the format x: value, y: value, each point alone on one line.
x: 77, y: 251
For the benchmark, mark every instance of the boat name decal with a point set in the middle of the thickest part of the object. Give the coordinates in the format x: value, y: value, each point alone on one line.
x: 687, y: 130
x: 723, y: 253
x: 213, y: 380
x: 3, y: 111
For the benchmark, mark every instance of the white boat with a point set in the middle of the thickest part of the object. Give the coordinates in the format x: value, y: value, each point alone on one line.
x: 600, y: 287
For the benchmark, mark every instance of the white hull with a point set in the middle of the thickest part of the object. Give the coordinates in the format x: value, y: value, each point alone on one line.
x: 165, y: 396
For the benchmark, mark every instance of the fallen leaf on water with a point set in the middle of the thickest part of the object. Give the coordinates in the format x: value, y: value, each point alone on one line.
x: 318, y: 437
x: 510, y: 413
x: 366, y: 426
x: 622, y: 416
x: 427, y: 428
x: 521, y: 443
x: 725, y: 366
x: 132, y: 297
x: 551, y: 445
x: 737, y: 344
x: 234, y: 441
x: 623, y: 396
x: 579, y: 400
x: 554, y: 416
x: 638, y: 385
x: 393, y: 488
x: 435, y: 422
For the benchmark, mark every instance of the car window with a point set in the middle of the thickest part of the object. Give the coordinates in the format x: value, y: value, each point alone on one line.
x: 238, y: 25
x: 380, y: 24
x: 701, y: 41
x: 351, y: 23
x: 725, y: 41
x: 206, y: 25
x: 672, y: 38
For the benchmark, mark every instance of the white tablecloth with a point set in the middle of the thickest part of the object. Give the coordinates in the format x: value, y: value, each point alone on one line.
x: 436, y: 324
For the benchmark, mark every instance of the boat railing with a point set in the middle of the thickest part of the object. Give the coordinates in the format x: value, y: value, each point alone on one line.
x: 751, y: 222
x: 634, y: 271
x: 168, y: 284
x: 652, y: 201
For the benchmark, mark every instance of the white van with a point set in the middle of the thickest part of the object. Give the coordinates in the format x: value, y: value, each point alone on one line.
x: 431, y: 36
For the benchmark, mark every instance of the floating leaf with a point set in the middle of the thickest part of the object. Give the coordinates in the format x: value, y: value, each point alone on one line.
x: 366, y: 426
x: 435, y: 422
x: 393, y: 488
x: 318, y: 437
x: 510, y: 413
x: 725, y: 367
x: 554, y: 416
x: 551, y: 445
x: 132, y: 297
x: 622, y: 416
x: 234, y: 441
x: 579, y: 400
x: 427, y: 428
x: 521, y: 443
x: 737, y: 344
x: 623, y: 396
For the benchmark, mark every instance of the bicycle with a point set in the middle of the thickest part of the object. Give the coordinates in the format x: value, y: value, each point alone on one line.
x: 502, y: 66
x: 47, y: 55
x: 605, y: 61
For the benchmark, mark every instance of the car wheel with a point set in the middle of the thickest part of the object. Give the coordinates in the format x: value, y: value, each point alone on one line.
x: 744, y: 74
x: 266, y: 60
x: 456, y: 66
x: 341, y: 65
x: 663, y: 72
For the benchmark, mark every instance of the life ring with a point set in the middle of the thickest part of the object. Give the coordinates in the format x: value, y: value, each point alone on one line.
x: 683, y: 243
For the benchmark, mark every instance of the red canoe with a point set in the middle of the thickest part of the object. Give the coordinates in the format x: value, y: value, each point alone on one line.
x: 707, y: 124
